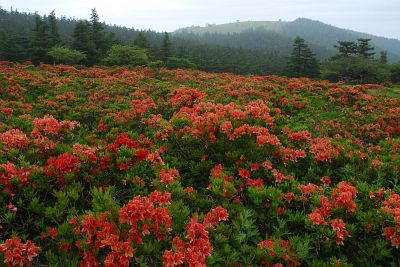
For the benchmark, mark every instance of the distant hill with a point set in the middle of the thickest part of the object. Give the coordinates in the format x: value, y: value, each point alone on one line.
x: 320, y: 36
x: 237, y: 27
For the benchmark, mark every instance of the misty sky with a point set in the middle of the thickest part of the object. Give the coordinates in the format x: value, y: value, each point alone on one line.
x: 371, y: 16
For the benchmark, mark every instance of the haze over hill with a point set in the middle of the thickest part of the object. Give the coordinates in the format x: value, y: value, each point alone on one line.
x: 319, y: 35
x: 251, y: 47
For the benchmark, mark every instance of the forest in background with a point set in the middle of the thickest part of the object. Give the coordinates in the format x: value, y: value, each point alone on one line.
x: 259, y: 48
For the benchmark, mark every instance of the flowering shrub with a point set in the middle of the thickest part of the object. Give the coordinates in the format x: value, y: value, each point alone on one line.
x: 137, y: 167
x: 17, y: 253
x: 194, y: 252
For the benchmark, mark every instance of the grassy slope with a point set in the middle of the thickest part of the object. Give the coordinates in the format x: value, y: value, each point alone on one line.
x: 237, y: 27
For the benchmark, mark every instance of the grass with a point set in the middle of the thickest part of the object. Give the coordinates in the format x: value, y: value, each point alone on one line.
x: 392, y: 91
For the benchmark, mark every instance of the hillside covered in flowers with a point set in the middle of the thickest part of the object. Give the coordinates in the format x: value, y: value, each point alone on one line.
x: 156, y: 167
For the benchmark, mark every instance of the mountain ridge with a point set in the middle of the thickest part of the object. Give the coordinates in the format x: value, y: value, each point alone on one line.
x: 316, y: 33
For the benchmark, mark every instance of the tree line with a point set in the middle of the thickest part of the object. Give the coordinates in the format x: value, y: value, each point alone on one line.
x: 91, y: 42
x: 354, y: 62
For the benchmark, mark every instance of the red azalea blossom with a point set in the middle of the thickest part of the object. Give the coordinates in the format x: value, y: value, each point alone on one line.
x: 14, y: 139
x: 17, y: 253
x: 343, y: 195
x: 198, y: 247
x: 316, y: 217
x: 168, y: 177
x: 339, y: 227
x: 323, y: 150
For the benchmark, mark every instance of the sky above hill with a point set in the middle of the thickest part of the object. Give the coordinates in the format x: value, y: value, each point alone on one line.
x: 380, y: 18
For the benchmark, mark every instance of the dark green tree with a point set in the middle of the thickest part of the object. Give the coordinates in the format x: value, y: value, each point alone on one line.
x: 302, y: 61
x: 364, y: 49
x: 102, y: 39
x: 40, y: 41
x: 83, y: 42
x: 141, y: 41
x: 15, y: 48
x: 166, y: 48
x: 54, y: 37
x: 383, y: 57
x: 354, y: 63
x: 345, y: 49
x: 97, y: 30
x: 356, y: 70
x: 395, y: 72
x: 92, y: 38
x: 3, y: 44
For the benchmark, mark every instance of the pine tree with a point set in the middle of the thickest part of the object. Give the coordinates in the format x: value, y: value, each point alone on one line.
x: 83, y: 42
x: 302, y: 62
x: 364, y: 49
x: 166, y: 47
x: 141, y: 41
x: 92, y: 38
x: 54, y: 37
x: 40, y: 43
x: 101, y: 38
x: 383, y: 57
x: 345, y: 49
x: 15, y: 48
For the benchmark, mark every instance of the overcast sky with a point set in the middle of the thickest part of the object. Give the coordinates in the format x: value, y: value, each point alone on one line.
x: 371, y: 16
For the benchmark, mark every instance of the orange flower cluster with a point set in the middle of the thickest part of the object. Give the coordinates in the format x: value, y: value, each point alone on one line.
x: 301, y: 136
x: 61, y: 165
x: 323, y: 150
x: 168, y: 177
x: 17, y: 253
x: 14, y: 139
x: 391, y: 206
x: 141, y: 214
x: 198, y: 247
x: 343, y: 195
x: 85, y: 153
x: 49, y: 125
x: 9, y: 171
x: 274, y: 247
x: 339, y: 227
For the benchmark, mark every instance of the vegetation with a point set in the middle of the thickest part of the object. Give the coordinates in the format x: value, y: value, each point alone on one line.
x: 151, y: 167
x: 244, y: 47
x: 355, y: 63
x: 137, y: 157
x: 126, y: 55
x: 277, y: 36
x: 395, y: 72
x: 302, y: 62
x: 65, y: 55
x: 179, y: 63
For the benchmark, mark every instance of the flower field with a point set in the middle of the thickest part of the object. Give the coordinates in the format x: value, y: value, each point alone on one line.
x: 149, y: 167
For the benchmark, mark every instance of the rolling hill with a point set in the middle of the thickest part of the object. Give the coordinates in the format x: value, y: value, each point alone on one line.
x: 320, y: 36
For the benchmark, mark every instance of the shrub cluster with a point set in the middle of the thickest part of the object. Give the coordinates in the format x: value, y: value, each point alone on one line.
x: 152, y: 167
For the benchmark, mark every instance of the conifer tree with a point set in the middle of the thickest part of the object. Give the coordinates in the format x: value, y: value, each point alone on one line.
x: 40, y: 40
x: 102, y: 39
x: 166, y: 47
x: 54, y: 37
x: 364, y: 49
x: 302, y: 62
x: 83, y: 42
x: 92, y: 38
x: 141, y: 41
x: 383, y: 57
x: 97, y: 30
x: 345, y: 49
